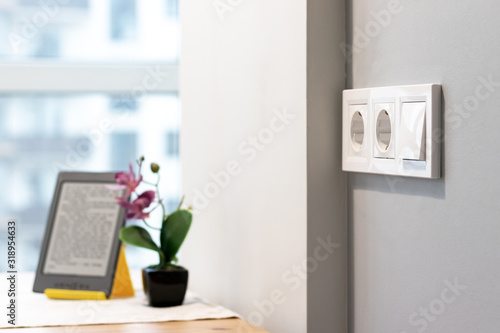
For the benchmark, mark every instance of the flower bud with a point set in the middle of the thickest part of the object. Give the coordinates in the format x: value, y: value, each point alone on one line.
x: 155, y: 167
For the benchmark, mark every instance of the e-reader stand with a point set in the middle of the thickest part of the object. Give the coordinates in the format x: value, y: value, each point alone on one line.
x: 122, y: 286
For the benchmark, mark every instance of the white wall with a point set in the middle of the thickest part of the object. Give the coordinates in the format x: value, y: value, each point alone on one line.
x: 410, y: 236
x: 234, y: 75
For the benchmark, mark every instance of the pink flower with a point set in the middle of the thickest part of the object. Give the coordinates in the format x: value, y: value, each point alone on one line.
x: 126, y: 181
x: 136, y: 207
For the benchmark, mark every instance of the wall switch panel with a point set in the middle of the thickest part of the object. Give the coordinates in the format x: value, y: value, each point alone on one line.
x: 393, y: 130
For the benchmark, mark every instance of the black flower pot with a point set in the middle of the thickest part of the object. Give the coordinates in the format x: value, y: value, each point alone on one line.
x: 165, y: 287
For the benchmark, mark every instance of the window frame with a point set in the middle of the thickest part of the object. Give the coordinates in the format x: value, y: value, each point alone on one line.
x: 99, y: 77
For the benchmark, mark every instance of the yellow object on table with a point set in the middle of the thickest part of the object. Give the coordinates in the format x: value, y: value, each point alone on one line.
x: 122, y: 286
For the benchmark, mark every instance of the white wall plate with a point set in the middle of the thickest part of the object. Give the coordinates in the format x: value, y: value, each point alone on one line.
x: 393, y: 130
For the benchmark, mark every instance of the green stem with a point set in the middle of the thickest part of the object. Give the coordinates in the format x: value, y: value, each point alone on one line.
x: 140, y: 166
x: 146, y: 223
x: 158, y: 194
x: 180, y: 203
x: 163, y: 261
x: 152, y: 210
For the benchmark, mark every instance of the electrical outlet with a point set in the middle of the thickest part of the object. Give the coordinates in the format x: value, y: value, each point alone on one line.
x: 358, y: 123
x: 384, y: 140
x: 392, y: 130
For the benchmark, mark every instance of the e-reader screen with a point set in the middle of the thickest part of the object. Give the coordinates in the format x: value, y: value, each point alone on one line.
x: 81, y: 244
x: 83, y: 230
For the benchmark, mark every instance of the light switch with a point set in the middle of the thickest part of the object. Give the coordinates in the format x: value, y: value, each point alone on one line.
x: 411, y: 139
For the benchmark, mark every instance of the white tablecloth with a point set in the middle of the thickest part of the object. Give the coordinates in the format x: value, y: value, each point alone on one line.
x: 35, y: 310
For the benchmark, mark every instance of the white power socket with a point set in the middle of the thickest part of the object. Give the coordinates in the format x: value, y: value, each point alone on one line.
x: 393, y: 130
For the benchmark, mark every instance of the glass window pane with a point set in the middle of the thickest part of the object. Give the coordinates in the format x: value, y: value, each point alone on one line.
x: 123, y: 17
x: 42, y: 134
x: 173, y: 143
x: 104, y: 30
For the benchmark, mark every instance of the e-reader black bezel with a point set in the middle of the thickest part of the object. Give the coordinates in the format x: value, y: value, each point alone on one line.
x: 77, y: 282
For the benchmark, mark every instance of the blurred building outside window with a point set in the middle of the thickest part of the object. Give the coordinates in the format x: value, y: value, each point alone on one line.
x: 55, y: 126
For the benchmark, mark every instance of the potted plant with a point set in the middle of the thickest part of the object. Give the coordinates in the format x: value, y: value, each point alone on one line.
x: 164, y: 283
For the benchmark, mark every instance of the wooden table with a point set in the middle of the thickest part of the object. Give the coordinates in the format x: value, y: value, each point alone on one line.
x: 197, y: 326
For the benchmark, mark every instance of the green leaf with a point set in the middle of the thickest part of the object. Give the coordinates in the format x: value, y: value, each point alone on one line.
x: 173, y: 232
x: 140, y: 237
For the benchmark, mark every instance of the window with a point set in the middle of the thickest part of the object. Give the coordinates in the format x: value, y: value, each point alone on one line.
x: 172, y: 8
x: 173, y: 144
x: 74, y: 96
x: 72, y: 3
x: 123, y: 19
x: 106, y: 31
x: 123, y: 149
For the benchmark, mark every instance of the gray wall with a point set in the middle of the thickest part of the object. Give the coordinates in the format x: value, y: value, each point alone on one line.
x: 411, y: 239
x: 326, y: 183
